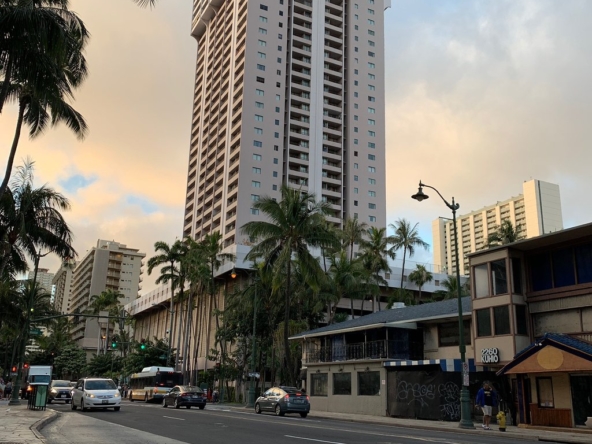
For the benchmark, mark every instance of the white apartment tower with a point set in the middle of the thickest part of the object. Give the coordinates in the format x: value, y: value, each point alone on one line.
x: 537, y: 210
x: 62, y: 282
x: 286, y: 92
x: 108, y: 266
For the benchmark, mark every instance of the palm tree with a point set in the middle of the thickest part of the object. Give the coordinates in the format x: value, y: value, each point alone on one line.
x: 450, y: 289
x: 375, y: 255
x: 504, y: 234
x: 108, y: 300
x: 42, y: 45
x: 346, y: 277
x: 352, y: 234
x: 30, y: 219
x: 407, y: 238
x: 420, y: 276
x: 295, y: 225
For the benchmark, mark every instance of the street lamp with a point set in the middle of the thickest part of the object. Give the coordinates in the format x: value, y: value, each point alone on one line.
x: 251, y: 392
x: 170, y: 329
x: 465, y: 407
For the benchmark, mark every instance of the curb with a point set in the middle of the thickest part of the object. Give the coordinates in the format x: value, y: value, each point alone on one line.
x: 37, y: 426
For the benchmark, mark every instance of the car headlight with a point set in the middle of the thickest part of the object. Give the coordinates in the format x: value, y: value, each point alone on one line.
x: 116, y: 395
x: 53, y: 391
x: 90, y: 395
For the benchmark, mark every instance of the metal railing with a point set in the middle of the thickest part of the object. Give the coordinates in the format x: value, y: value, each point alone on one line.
x: 383, y: 349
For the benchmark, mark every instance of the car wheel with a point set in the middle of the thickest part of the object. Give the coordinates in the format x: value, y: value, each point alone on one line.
x: 187, y: 406
x: 116, y: 408
x: 164, y: 404
x: 278, y: 410
x: 73, y: 406
x: 68, y: 402
x: 201, y: 407
x: 146, y: 397
x: 49, y: 401
x: 257, y: 408
x: 82, y: 405
x: 303, y: 414
x: 177, y: 404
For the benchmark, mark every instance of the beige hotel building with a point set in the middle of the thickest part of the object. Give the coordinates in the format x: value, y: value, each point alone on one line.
x: 537, y: 210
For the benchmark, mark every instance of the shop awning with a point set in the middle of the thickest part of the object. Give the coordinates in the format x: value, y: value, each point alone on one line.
x: 447, y: 365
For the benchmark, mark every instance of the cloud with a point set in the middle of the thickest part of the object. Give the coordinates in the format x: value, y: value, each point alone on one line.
x: 73, y: 183
x: 145, y: 205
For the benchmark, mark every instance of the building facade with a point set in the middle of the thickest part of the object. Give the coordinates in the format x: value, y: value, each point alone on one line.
x: 62, y: 282
x: 44, y: 279
x: 537, y: 211
x: 108, y: 266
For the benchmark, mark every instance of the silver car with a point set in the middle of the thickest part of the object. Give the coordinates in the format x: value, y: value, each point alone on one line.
x: 96, y: 393
x: 282, y: 400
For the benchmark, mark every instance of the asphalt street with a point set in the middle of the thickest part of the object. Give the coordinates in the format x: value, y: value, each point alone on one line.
x: 150, y: 423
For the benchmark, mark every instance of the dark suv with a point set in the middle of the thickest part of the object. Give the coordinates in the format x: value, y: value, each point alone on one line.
x: 59, y: 391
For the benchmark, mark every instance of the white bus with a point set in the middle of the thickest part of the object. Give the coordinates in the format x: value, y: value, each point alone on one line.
x: 153, y: 383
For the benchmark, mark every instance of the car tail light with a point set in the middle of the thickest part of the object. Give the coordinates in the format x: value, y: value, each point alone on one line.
x: 308, y: 398
x: 287, y: 397
x: 298, y: 394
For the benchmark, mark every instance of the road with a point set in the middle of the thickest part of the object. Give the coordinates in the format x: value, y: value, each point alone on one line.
x: 150, y: 423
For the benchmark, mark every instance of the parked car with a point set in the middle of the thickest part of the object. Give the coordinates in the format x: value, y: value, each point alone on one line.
x: 185, y: 395
x: 59, y: 391
x: 282, y: 400
x: 96, y: 393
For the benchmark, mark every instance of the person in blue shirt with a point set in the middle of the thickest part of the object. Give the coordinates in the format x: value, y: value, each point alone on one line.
x: 486, y: 399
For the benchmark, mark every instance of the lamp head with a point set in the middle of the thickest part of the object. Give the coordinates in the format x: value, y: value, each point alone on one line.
x: 420, y: 195
x: 233, y: 273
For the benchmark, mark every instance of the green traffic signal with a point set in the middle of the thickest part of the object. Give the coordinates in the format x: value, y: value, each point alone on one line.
x: 143, y: 347
x: 114, y: 344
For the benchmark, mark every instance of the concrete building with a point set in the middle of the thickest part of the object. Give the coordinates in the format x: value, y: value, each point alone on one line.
x: 44, y: 278
x: 62, y: 282
x: 108, y: 266
x: 537, y: 211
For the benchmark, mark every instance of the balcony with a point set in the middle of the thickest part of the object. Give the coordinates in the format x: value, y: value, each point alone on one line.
x: 383, y: 349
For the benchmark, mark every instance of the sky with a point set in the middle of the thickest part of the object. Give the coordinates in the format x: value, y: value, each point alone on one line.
x: 480, y: 97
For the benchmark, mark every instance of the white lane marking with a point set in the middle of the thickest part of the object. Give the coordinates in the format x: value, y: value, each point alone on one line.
x: 172, y: 417
x: 311, y: 439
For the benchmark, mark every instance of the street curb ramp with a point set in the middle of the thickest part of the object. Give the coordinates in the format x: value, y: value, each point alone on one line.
x: 37, y: 426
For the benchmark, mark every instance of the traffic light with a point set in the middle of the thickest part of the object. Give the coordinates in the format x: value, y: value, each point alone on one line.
x: 114, y: 344
x: 26, y: 365
x: 13, y: 369
x: 143, y: 344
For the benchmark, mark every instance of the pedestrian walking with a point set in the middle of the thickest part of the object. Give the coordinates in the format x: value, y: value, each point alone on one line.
x: 8, y: 390
x: 486, y: 399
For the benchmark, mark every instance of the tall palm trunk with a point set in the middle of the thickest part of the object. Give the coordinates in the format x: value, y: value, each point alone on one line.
x: 15, y: 141
x: 180, y: 328
x: 287, y: 321
x: 403, y: 269
x: 186, y: 341
x: 6, y: 86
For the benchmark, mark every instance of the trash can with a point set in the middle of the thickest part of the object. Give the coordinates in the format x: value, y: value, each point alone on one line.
x: 38, y: 397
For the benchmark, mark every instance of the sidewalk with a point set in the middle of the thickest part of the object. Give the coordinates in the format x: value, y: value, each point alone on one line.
x: 531, y: 433
x: 18, y: 425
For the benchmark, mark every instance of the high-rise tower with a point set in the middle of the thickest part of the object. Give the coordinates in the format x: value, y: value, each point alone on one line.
x: 286, y: 92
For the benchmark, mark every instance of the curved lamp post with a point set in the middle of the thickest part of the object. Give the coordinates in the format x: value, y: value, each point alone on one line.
x: 465, y: 407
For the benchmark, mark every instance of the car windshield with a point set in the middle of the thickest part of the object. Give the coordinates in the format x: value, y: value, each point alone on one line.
x: 60, y: 384
x: 191, y: 389
x: 104, y: 384
x: 290, y: 389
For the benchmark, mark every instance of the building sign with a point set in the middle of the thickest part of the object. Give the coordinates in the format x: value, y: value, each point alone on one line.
x: 490, y: 356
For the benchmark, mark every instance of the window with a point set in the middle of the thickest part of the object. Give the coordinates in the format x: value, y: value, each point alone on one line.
x: 280, y: 48
x: 371, y: 99
x: 499, y: 277
x: 355, y: 178
x: 355, y: 141
x: 371, y: 145
x: 276, y: 148
x: 275, y: 160
x: 259, y: 105
x: 355, y: 154
x: 256, y: 170
x: 356, y: 27
x: 540, y: 272
x: 277, y: 109
x: 258, y: 131
x: 278, y: 84
x: 583, y: 256
x: 481, y: 282
x: 521, y: 320
x: 262, y: 19
x: 257, y: 157
x: 356, y: 39
x: 371, y: 22
x: 448, y: 335
x: 370, y: 32
x: 483, y: 322
x: 563, y: 267
x: 257, y: 144
x: 371, y: 157
x: 371, y: 87
x: 372, y: 181
x: 370, y: 54
x: 368, y: 383
x: 275, y: 174
x: 371, y: 122
x: 263, y: 7
x: 371, y: 76
x: 342, y: 383
x: 255, y: 197
x: 372, y: 206
x: 371, y: 43
x: 260, y: 67
x: 355, y: 191
x: 371, y: 11
x: 319, y: 384
x: 372, y: 193
x: 355, y: 49
x: 355, y: 203
x: 516, y: 276
x: 372, y: 169
x: 260, y: 79
x: 355, y: 215
x: 261, y: 55
x: 262, y: 31
x: 254, y: 211
x: 262, y: 43
x: 501, y: 320
x: 545, y: 392
x: 355, y: 94
x: 355, y: 83
x: 258, y: 118
x: 255, y: 184
x: 355, y: 166
x: 276, y: 135
x: 280, y: 36
x: 371, y: 133
x: 356, y: 16
x: 372, y: 218
x: 371, y: 65
x: 279, y: 60
x: 371, y: 110
x: 260, y: 92
x: 277, y: 97
x: 277, y: 122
